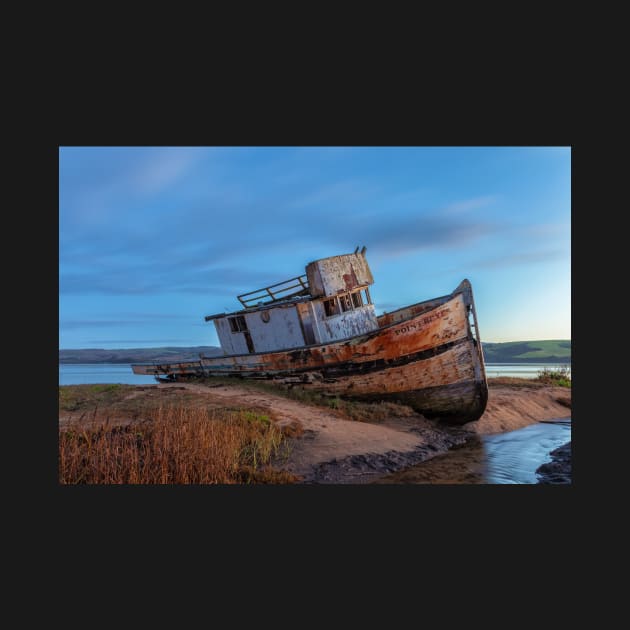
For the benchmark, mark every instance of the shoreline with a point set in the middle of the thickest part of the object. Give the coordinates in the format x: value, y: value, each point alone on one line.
x: 330, y: 447
x: 365, y: 468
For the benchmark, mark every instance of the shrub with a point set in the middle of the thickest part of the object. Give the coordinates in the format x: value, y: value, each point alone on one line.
x: 555, y: 376
x: 100, y: 388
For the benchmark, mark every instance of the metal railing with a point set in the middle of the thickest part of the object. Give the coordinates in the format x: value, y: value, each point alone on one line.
x: 280, y: 292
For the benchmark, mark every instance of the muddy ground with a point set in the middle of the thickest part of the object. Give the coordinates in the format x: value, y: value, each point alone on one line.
x: 558, y: 470
x: 331, y: 447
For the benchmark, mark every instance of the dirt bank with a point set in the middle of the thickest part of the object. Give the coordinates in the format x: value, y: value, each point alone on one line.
x: 512, y: 407
x: 331, y: 448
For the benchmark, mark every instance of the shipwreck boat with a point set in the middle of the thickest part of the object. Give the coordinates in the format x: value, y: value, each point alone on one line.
x: 319, y: 331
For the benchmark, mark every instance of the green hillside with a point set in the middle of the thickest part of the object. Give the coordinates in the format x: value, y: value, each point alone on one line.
x: 135, y: 355
x: 551, y: 351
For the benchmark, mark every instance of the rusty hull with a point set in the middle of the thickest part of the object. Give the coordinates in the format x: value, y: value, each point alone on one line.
x: 427, y: 355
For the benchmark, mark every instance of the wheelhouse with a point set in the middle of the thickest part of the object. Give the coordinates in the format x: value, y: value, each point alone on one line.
x: 329, y: 303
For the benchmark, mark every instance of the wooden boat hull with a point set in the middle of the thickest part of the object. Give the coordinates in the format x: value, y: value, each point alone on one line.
x: 427, y: 355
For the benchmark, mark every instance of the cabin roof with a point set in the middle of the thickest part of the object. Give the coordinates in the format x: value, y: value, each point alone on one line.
x: 262, y: 307
x: 324, y: 277
x: 293, y: 287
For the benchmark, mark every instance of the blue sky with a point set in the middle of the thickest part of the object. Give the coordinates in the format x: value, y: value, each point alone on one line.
x: 151, y: 239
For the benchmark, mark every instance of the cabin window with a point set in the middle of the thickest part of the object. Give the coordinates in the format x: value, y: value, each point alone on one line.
x: 346, y: 302
x: 237, y: 324
x: 331, y: 307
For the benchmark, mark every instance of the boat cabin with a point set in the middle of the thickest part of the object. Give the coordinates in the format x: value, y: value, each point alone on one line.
x: 329, y: 303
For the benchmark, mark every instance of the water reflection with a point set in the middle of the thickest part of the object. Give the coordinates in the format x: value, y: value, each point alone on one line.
x: 511, y: 457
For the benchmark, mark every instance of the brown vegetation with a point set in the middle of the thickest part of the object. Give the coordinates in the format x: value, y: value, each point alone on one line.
x: 236, y: 431
x: 342, y: 408
x: 293, y: 429
x: 178, y: 446
x: 116, y: 400
x: 512, y: 381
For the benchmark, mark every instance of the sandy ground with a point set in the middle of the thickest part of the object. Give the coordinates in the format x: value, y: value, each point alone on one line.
x: 511, y: 408
x: 333, y: 449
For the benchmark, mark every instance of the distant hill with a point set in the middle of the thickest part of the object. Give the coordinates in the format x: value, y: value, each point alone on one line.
x: 135, y: 355
x: 555, y: 351
x: 550, y: 351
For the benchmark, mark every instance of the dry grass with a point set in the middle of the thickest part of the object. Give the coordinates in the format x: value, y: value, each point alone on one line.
x: 344, y: 408
x: 81, y: 397
x: 293, y: 429
x: 510, y: 381
x: 96, y: 403
x: 178, y: 446
x: 372, y: 412
x: 560, y: 377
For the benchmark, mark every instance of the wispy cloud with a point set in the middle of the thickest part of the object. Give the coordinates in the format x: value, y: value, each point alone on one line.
x: 192, y: 255
x: 388, y: 237
x: 75, y: 324
x: 403, y: 230
x: 100, y: 187
x: 545, y: 230
x: 467, y: 205
x: 346, y: 191
x: 176, y: 277
x: 427, y: 233
x: 163, y: 169
x: 520, y: 258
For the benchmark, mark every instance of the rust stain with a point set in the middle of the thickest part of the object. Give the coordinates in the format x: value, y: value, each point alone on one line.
x: 423, y: 354
x: 351, y: 279
x: 397, y: 340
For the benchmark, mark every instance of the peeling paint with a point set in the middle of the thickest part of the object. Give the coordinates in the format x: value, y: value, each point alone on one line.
x: 427, y: 355
x: 330, y: 276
